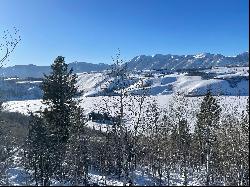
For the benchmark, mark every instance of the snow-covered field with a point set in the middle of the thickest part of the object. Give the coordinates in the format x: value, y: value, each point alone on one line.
x: 142, y: 177
x: 90, y: 103
x: 229, y: 105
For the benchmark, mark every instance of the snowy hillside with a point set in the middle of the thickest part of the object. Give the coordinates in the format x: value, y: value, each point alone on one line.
x: 221, y: 80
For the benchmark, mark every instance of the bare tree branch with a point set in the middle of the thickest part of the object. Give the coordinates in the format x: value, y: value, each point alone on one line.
x: 8, y: 43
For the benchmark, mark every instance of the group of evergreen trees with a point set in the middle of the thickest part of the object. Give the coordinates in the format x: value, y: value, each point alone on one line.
x: 60, y: 147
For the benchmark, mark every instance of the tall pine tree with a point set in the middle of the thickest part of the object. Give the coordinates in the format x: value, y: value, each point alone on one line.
x: 205, y: 132
x: 36, y: 153
x: 59, y: 97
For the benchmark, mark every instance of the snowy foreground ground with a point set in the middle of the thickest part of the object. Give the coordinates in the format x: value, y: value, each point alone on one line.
x: 141, y: 178
x: 17, y: 175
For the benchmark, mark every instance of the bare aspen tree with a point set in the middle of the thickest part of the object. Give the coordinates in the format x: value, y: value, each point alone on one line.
x: 8, y: 43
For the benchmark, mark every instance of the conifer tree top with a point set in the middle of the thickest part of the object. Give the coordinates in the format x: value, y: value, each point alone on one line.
x: 59, y: 86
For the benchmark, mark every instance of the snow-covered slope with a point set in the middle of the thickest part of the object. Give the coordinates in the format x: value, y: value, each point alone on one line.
x: 221, y: 80
x: 89, y: 83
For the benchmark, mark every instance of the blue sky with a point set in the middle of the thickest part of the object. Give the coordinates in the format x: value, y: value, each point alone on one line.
x: 92, y: 30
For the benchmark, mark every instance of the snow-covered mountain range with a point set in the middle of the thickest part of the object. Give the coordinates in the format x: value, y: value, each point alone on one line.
x: 142, y: 62
x: 178, y: 62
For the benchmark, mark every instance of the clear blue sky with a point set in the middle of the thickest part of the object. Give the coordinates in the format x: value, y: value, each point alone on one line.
x: 92, y: 30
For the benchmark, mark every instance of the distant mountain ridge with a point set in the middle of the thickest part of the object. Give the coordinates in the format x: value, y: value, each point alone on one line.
x: 31, y: 70
x: 177, y: 62
x: 142, y: 62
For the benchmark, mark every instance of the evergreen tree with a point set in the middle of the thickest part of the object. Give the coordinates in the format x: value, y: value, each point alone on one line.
x: 244, y: 147
x: 167, y: 145
x: 59, y: 97
x: 184, y: 147
x: 206, y: 129
x: 59, y: 92
x: 36, y: 153
x: 180, y: 136
x: 77, y: 156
